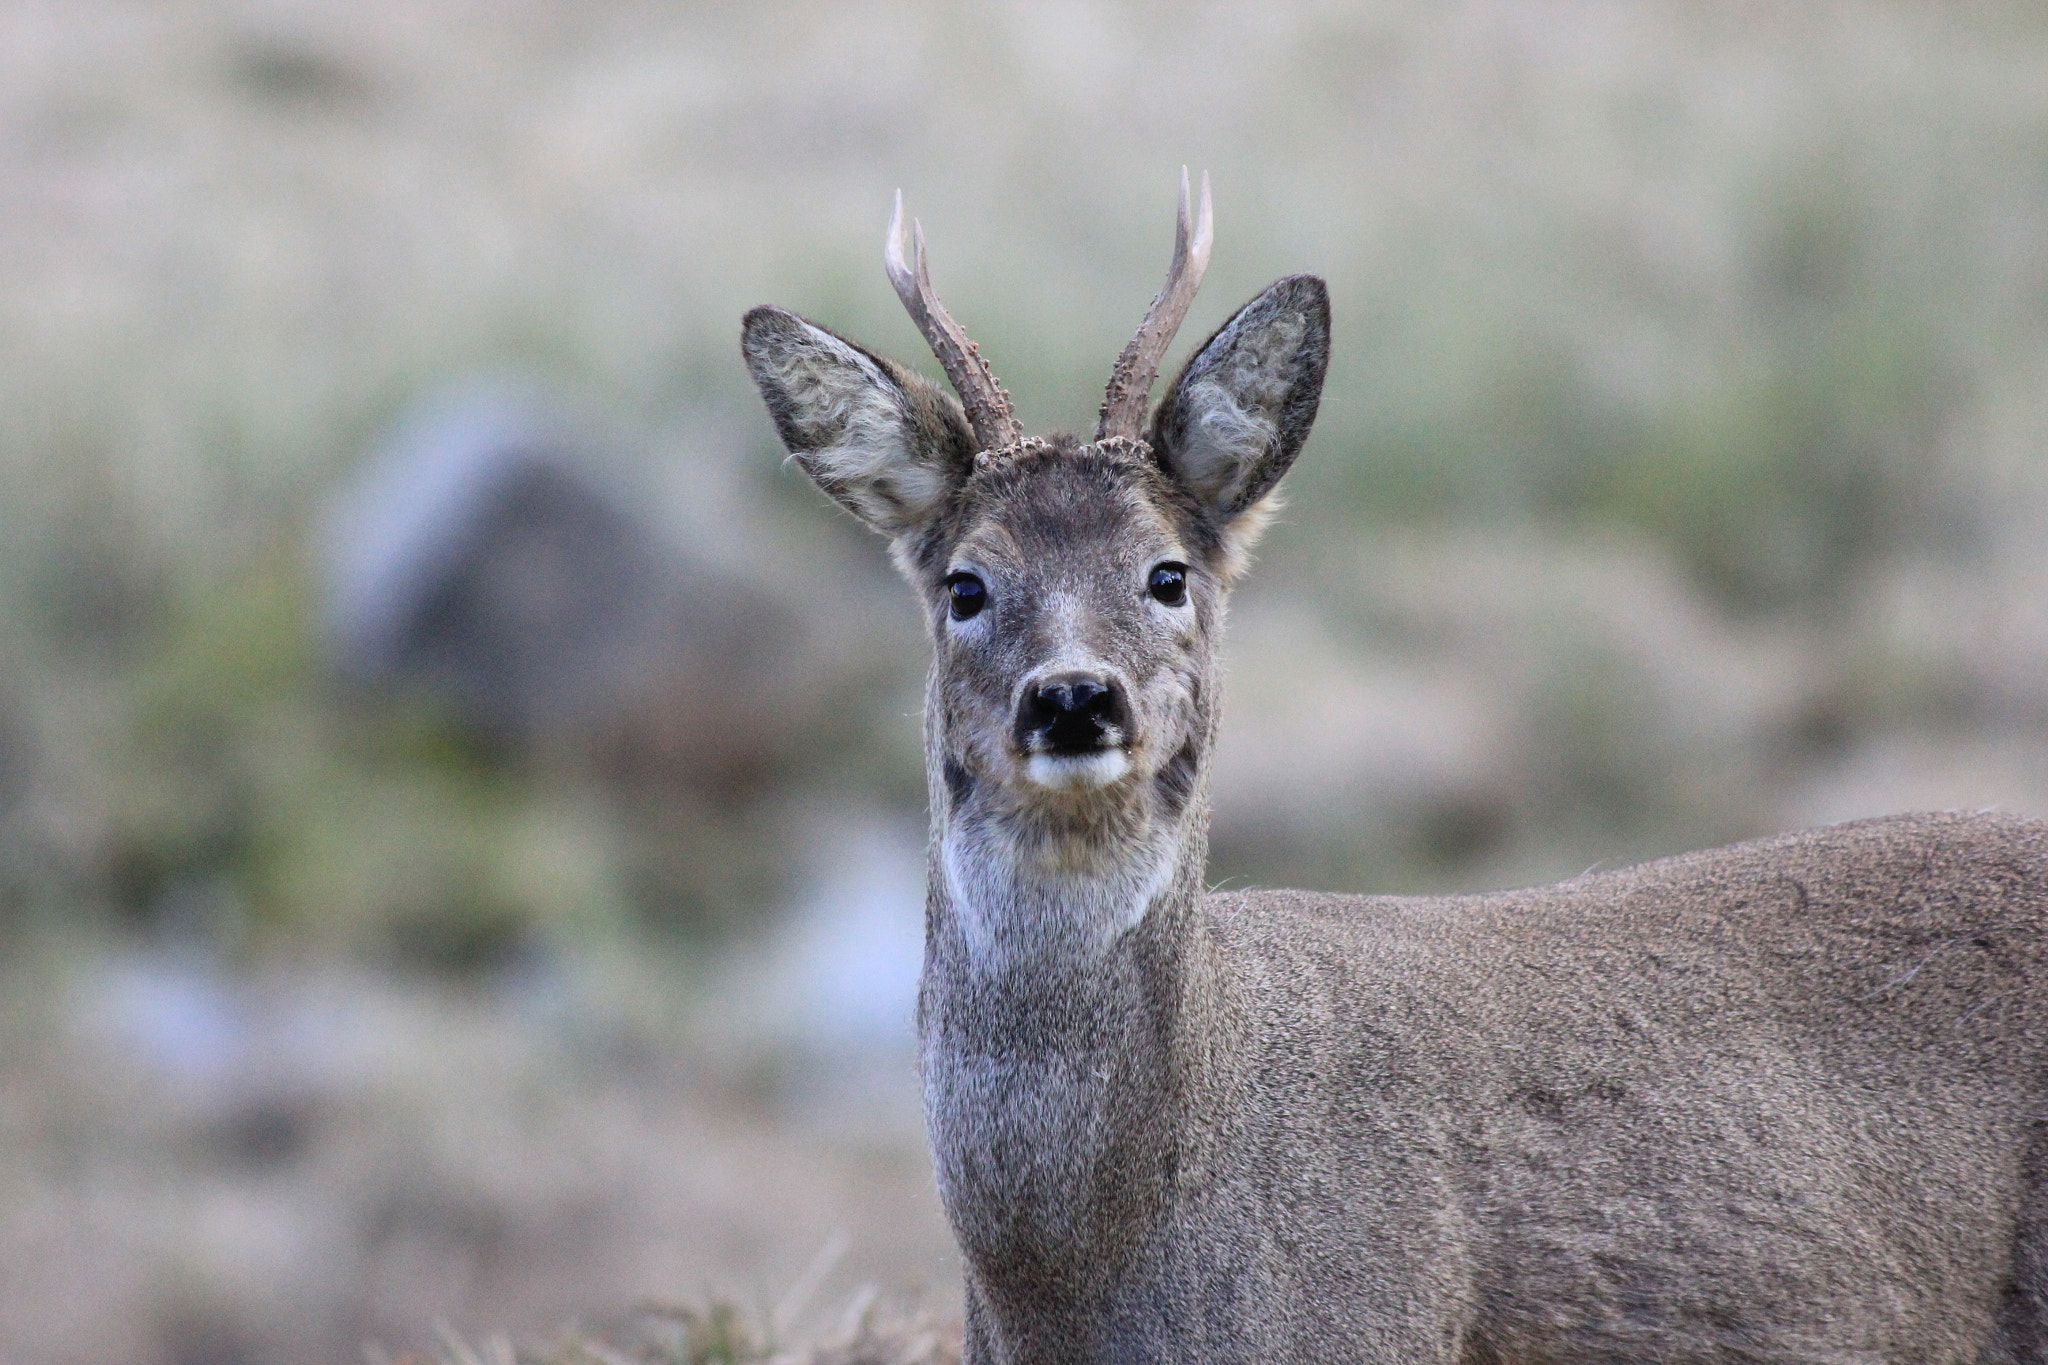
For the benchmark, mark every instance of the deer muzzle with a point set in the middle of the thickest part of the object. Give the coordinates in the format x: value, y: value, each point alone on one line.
x: 1074, y: 729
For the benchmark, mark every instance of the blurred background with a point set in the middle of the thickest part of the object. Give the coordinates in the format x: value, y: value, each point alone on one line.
x: 460, y: 802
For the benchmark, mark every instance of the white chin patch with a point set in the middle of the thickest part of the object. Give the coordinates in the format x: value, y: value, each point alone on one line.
x: 1077, y: 772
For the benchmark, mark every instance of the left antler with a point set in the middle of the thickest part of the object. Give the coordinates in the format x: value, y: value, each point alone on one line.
x: 988, y: 408
x: 1130, y: 383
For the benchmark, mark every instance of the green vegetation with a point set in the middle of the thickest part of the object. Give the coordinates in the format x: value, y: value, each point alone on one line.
x: 1764, y: 299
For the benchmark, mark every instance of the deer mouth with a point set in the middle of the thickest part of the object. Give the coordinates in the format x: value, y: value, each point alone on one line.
x: 1077, y: 772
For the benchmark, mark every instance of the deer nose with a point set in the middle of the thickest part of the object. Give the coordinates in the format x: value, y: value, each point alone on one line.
x: 1072, y: 713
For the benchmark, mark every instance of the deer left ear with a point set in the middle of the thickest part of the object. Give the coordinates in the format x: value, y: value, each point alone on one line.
x: 1234, y: 420
x: 887, y: 444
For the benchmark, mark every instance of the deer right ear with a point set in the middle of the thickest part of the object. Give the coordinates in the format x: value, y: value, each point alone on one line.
x: 887, y: 444
x: 1234, y: 420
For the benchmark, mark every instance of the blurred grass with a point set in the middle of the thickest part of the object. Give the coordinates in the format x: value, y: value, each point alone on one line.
x: 721, y: 1333
x: 1752, y: 286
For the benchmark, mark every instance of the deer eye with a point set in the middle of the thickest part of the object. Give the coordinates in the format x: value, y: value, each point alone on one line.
x: 966, y: 595
x: 1169, y: 584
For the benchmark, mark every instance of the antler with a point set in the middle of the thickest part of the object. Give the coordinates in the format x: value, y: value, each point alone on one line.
x: 988, y: 407
x: 1130, y: 383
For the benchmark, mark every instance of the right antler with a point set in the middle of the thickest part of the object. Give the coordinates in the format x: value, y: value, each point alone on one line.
x: 1130, y: 383
x: 988, y: 407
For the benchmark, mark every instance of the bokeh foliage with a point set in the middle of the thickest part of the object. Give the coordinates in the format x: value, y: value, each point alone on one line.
x: 1760, y: 292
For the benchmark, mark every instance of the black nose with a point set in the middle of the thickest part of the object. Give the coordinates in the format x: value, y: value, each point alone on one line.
x: 1072, y: 713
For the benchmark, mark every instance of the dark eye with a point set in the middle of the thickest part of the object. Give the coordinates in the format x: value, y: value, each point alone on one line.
x: 1169, y: 584
x: 966, y: 595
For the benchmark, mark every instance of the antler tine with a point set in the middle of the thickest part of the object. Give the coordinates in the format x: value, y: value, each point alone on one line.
x: 988, y: 408
x: 1130, y: 383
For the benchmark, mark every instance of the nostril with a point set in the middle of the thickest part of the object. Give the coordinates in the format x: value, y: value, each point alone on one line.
x: 1070, y: 714
x: 1068, y: 696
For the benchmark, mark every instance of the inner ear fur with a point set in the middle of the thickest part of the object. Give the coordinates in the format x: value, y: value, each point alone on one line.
x: 1235, y: 418
x: 883, y: 441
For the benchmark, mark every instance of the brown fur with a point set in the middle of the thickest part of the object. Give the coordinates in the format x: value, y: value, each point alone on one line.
x: 1772, y: 1103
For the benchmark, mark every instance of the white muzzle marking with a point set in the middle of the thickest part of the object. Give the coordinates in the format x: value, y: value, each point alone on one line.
x: 1077, y: 772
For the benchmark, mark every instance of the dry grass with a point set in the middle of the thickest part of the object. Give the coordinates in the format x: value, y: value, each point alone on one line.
x: 722, y: 1334
x: 197, y: 1165
x: 1746, y: 308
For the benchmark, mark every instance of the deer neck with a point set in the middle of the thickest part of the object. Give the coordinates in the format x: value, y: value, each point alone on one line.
x: 1061, y: 963
x: 1023, y: 891
x: 1019, y: 898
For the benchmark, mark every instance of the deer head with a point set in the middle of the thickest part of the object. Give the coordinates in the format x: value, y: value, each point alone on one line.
x: 1073, y: 589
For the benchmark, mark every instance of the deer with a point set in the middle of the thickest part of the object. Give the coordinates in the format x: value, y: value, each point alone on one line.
x: 1781, y: 1101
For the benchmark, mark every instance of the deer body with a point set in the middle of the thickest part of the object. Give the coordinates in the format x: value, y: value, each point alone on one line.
x: 1704, y: 1109
x: 1786, y: 1101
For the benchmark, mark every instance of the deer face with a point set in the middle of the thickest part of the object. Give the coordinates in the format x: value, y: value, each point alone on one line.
x: 1073, y: 601
x: 1073, y: 589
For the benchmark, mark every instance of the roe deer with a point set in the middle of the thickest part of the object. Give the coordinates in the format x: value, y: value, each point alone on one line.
x: 1779, y: 1102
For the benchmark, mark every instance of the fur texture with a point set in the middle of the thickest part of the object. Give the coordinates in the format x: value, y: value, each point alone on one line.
x: 1782, y: 1102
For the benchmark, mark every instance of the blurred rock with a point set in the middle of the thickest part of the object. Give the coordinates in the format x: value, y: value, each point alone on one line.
x: 491, y: 556
x: 482, y: 556
x: 475, y: 554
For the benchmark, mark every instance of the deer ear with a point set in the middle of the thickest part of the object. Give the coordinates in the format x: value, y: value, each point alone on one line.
x: 887, y: 444
x: 1234, y: 420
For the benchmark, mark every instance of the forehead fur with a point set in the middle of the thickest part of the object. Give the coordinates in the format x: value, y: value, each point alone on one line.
x: 1060, y: 491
